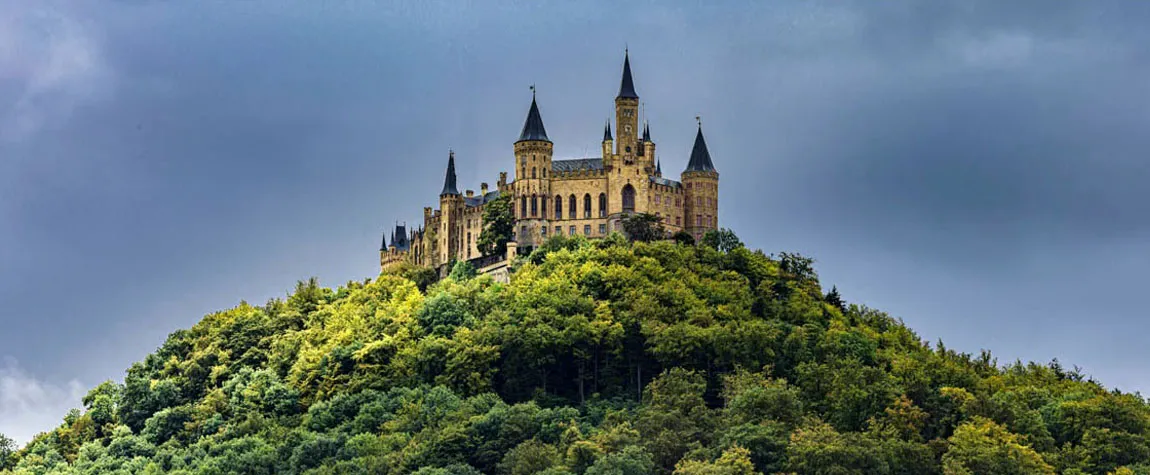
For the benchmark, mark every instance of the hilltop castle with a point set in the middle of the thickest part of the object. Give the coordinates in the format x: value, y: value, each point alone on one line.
x: 585, y: 196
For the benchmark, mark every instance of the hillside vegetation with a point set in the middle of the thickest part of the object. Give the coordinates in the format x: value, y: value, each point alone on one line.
x: 600, y: 357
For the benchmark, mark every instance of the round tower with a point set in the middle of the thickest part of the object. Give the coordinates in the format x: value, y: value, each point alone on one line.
x: 451, y: 213
x: 701, y: 187
x: 533, y: 153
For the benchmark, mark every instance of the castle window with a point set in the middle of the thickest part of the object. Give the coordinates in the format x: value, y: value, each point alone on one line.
x: 532, y: 172
x: 586, y: 229
x: 628, y: 198
x: 656, y: 199
x: 677, y: 222
x: 628, y: 149
x: 534, y: 206
x: 543, y: 231
x: 558, y: 208
x: 602, y: 205
x: 587, y: 205
x: 523, y: 207
x: 571, y: 207
x: 558, y: 230
x: 571, y: 231
x: 602, y: 229
x: 688, y: 186
x: 698, y: 201
x: 698, y: 220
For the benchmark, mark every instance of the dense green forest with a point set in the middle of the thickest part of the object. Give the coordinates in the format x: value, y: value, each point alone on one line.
x: 599, y: 357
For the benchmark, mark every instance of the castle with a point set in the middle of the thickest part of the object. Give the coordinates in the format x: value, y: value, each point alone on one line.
x: 585, y: 196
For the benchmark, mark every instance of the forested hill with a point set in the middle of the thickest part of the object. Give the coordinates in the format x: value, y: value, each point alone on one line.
x: 600, y: 357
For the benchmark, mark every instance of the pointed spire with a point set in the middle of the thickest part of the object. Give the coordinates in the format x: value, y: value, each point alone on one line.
x: 700, y: 157
x: 383, y: 247
x: 627, y: 87
x: 646, y: 132
x: 659, y: 167
x: 607, y: 131
x: 533, y: 127
x: 449, y: 180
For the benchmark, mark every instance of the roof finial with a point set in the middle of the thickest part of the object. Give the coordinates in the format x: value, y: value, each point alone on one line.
x: 700, y: 121
x: 533, y: 91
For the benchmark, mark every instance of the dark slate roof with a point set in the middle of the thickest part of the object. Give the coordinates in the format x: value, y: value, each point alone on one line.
x: 577, y: 164
x: 659, y: 167
x: 400, y: 241
x: 383, y: 247
x: 700, y: 157
x: 646, y: 132
x: 481, y: 199
x: 449, y: 180
x: 607, y: 131
x: 627, y: 87
x: 658, y: 180
x: 533, y: 126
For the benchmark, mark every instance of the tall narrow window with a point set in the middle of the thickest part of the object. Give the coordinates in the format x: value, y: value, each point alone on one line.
x: 523, y: 207
x: 587, y: 205
x: 628, y: 198
x: 532, y: 172
x: 558, y: 207
x: 534, y: 206
x: 602, y: 205
x: 571, y: 207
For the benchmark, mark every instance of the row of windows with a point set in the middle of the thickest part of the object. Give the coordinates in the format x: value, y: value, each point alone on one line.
x: 666, y: 202
x: 536, y: 211
x: 704, y: 220
x: 705, y: 186
x: 523, y: 172
x: 710, y: 201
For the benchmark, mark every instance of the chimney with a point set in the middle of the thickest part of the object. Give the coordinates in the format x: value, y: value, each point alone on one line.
x: 470, y: 193
x: 483, y: 188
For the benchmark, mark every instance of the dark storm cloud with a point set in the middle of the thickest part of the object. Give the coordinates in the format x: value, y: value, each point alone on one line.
x: 975, y: 167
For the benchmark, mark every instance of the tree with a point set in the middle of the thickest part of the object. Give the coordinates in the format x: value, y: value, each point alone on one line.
x: 498, y: 224
x: 983, y: 446
x: 643, y: 227
x: 7, y: 452
x: 461, y: 271
x: 684, y: 238
x: 835, y: 299
x: 723, y: 240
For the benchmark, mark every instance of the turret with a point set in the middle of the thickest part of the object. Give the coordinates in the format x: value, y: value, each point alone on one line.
x: 701, y: 182
x: 649, y: 147
x: 608, y: 143
x: 626, y: 116
x: 532, y: 185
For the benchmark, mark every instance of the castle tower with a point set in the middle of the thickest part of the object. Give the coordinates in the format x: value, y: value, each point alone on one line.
x: 648, y: 148
x: 532, y: 187
x: 451, y: 209
x: 701, y: 183
x: 627, y: 172
x: 608, y: 143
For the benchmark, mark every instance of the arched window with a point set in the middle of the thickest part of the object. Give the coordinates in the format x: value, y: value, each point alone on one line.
x: 571, y: 205
x: 602, y: 205
x: 587, y: 205
x: 532, y: 172
x: 558, y: 207
x: 522, y: 207
x: 534, y: 206
x: 629, y: 198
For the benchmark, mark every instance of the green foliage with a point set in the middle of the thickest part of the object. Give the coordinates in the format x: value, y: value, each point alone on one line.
x: 599, y: 357
x: 722, y: 240
x: 643, y: 227
x: 683, y: 237
x: 498, y: 225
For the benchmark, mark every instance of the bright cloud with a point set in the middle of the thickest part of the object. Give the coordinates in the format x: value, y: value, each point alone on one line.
x: 29, y: 406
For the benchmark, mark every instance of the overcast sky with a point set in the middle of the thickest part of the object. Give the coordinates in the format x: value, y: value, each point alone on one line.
x: 976, y: 168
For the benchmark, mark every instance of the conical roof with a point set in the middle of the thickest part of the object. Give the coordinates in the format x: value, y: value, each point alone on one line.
x: 533, y: 128
x: 627, y: 87
x: 607, y: 131
x: 383, y: 247
x: 449, y: 180
x: 700, y: 157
